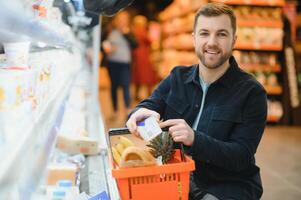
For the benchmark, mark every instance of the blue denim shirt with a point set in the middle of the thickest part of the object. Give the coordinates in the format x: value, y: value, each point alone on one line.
x: 229, y: 129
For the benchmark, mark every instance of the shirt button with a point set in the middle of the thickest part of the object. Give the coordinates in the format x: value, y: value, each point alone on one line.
x: 196, y: 106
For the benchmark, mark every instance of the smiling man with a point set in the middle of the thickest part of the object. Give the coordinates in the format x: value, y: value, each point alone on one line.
x: 215, y: 109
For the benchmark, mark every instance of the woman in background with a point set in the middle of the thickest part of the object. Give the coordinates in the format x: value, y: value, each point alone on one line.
x: 143, y: 72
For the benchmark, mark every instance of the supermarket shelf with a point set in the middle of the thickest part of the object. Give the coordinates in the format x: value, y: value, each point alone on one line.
x: 276, y: 90
x: 261, y: 67
x: 96, y: 177
x: 272, y: 118
x: 253, y: 2
x: 262, y: 47
x: 25, y: 164
x: 240, y: 22
x: 238, y: 46
x: 25, y: 27
x: 180, y: 13
x: 261, y: 23
x: 298, y: 47
x: 178, y: 30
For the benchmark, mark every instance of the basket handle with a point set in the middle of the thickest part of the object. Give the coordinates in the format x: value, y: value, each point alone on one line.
x: 119, y: 131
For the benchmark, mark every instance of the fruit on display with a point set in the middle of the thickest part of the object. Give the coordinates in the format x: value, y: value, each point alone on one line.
x: 162, y: 145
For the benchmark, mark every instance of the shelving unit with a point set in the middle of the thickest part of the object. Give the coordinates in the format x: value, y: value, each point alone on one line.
x: 253, y: 2
x: 257, y: 46
x: 263, y: 67
x: 28, y: 154
x: 33, y: 133
x: 260, y: 30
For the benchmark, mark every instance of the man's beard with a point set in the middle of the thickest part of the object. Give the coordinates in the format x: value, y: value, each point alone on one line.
x: 219, y: 63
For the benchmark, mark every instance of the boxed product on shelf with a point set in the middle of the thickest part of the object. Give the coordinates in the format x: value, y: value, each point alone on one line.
x: 17, y: 54
x: 275, y: 110
x: 61, y: 171
x: 77, y: 144
x: 16, y: 87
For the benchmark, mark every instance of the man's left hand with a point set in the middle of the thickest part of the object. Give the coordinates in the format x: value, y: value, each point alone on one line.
x: 179, y: 130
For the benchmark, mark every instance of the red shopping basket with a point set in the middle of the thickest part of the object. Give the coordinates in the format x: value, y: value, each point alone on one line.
x: 169, y: 181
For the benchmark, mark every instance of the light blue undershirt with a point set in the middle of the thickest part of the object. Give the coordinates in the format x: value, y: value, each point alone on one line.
x: 205, y: 87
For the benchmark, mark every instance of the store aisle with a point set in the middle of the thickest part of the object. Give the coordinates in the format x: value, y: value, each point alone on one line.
x: 111, y: 119
x: 279, y: 154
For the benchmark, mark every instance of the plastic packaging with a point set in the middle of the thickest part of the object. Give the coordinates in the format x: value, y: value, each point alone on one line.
x: 17, y: 54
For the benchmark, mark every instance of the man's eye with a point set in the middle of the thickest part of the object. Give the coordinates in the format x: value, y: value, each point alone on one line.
x: 222, y: 34
x: 203, y: 34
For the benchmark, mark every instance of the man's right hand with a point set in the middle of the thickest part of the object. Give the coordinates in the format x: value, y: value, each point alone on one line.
x: 138, y: 116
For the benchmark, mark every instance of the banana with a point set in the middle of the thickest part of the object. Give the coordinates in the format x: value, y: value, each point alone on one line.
x: 116, y: 156
x: 126, y: 142
x: 120, y: 148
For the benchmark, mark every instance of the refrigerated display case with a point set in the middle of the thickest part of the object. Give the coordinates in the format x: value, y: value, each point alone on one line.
x: 34, y: 101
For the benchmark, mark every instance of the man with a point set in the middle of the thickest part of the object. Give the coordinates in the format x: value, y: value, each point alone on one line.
x: 215, y: 109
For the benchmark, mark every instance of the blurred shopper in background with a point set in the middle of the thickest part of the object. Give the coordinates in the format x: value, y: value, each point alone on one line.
x: 118, y: 47
x: 143, y: 70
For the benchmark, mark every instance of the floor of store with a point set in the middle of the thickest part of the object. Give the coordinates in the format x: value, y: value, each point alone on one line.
x: 279, y: 153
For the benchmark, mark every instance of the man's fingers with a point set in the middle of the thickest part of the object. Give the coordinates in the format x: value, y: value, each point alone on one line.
x: 131, y: 124
x: 175, y: 133
x: 170, y: 122
x: 178, y: 139
x: 156, y: 115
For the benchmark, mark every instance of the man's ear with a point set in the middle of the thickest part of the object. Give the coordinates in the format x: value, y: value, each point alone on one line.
x: 193, y: 38
x: 234, y: 40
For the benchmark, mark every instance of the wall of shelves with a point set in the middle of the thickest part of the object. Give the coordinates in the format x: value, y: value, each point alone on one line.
x: 30, y: 126
x: 260, y: 32
x: 28, y: 155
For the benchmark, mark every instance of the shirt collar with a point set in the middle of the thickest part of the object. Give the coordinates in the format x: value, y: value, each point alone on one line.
x: 226, y: 79
x: 193, y: 75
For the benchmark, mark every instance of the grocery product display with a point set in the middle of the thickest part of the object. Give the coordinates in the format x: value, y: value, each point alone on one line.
x: 51, y: 130
x: 259, y: 41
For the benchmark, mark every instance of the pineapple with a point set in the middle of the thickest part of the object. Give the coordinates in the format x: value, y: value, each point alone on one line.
x: 162, y: 145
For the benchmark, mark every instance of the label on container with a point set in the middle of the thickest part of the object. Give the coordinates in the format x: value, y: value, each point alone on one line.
x: 100, y: 196
x: 149, y: 128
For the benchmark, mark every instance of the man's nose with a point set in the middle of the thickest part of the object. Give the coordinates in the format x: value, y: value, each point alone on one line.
x: 212, y: 40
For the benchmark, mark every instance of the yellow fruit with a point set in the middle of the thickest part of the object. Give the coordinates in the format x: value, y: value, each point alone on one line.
x: 116, y: 156
x: 126, y: 142
x: 120, y: 148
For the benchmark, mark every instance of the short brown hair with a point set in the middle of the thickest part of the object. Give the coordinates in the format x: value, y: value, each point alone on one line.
x: 216, y: 9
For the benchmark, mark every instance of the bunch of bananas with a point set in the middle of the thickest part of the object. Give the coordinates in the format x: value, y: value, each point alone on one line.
x: 126, y: 154
x: 120, y: 147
